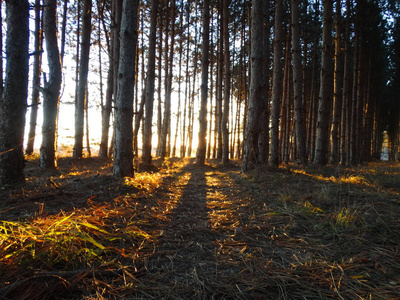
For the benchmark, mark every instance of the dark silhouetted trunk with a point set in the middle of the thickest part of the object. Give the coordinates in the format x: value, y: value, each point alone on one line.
x: 15, y: 92
x: 37, y: 70
x: 83, y: 75
x: 51, y: 90
x: 202, y: 146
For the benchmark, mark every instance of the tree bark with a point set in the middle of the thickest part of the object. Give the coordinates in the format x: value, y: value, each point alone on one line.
x: 338, y: 85
x: 202, y: 146
x: 300, y: 125
x: 276, y: 84
x: 15, y: 92
x: 150, y: 85
x: 123, y: 148
x: 227, y: 82
x: 51, y: 91
x: 326, y: 88
x: 106, y: 108
x: 166, y: 126
x: 63, y: 30
x: 83, y: 74
x: 37, y: 70
x: 257, y: 86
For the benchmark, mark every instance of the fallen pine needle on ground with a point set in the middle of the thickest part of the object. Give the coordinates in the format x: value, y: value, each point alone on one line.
x: 189, y: 232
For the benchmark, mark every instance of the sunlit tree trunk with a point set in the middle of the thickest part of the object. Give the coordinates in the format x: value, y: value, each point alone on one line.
x: 51, y: 91
x: 326, y: 88
x: 83, y: 75
x: 15, y: 93
x: 123, y: 148
x: 37, y: 70
x: 150, y: 84
x: 202, y: 146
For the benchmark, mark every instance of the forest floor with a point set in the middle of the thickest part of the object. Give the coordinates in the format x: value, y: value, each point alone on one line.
x: 189, y: 232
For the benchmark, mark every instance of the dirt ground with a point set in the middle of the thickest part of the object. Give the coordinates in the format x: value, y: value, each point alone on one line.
x: 189, y: 232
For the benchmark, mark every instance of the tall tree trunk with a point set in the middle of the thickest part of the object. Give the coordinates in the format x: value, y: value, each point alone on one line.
x: 346, y: 95
x: 1, y: 49
x: 179, y: 112
x: 166, y: 129
x: 257, y: 86
x: 150, y: 83
x: 106, y: 109
x: 123, y: 148
x: 300, y: 125
x: 285, y: 106
x: 326, y: 88
x: 51, y: 91
x: 89, y: 152
x: 276, y: 84
x: 159, y: 83
x: 338, y: 84
x: 15, y: 93
x: 63, y: 31
x: 227, y: 82
x: 83, y: 75
x: 37, y: 70
x: 202, y: 146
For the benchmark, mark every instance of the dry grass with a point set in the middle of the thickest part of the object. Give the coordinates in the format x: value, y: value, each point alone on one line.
x: 202, y: 233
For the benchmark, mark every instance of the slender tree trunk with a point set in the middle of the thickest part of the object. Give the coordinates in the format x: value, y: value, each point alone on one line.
x: 63, y: 30
x: 51, y: 91
x: 346, y: 95
x: 220, y: 80
x: 202, y: 146
x: 37, y: 70
x: 1, y: 49
x: 83, y: 75
x: 353, y: 120
x: 159, y: 83
x: 227, y: 82
x: 338, y: 85
x: 285, y: 107
x: 123, y: 148
x: 263, y: 138
x: 276, y: 84
x: 257, y: 86
x: 89, y: 152
x: 326, y: 88
x: 15, y: 93
x: 179, y: 113
x: 166, y: 130
x: 106, y: 109
x: 300, y: 125
x: 150, y: 83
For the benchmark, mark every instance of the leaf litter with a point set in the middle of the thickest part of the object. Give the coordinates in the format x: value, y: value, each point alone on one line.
x: 189, y: 232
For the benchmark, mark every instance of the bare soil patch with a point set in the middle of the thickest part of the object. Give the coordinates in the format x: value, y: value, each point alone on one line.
x: 189, y: 232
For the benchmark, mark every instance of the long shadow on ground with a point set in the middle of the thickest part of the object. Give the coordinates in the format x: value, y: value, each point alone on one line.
x: 183, y: 259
